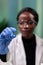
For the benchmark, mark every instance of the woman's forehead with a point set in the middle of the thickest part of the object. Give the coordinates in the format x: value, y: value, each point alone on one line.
x: 26, y: 15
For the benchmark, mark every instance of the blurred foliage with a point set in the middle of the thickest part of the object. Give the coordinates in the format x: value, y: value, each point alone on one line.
x: 3, y: 24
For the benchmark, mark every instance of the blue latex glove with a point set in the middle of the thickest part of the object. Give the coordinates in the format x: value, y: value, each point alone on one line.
x: 8, y: 32
x: 5, y: 37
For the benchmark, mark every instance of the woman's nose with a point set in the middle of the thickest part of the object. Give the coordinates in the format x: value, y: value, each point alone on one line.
x: 26, y: 25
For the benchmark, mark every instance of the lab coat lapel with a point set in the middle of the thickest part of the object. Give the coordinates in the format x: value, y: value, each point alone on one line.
x: 38, y: 50
x: 20, y: 54
x: 23, y: 56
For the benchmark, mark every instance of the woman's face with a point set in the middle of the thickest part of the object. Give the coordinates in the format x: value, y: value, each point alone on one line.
x: 26, y: 24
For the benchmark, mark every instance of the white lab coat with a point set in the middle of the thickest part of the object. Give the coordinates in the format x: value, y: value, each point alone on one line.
x: 16, y: 53
x: 5, y: 63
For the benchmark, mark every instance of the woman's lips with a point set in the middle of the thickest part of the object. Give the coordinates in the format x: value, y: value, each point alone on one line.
x: 26, y: 31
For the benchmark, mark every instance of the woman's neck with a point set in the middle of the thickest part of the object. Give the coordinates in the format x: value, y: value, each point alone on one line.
x: 29, y: 36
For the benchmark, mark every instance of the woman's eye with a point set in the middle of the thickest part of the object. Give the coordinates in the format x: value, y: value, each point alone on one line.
x: 21, y: 22
x: 30, y: 22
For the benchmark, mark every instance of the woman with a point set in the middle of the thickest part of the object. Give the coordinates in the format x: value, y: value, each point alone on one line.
x: 25, y: 48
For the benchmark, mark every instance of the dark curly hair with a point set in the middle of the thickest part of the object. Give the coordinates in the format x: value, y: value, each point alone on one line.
x: 31, y: 10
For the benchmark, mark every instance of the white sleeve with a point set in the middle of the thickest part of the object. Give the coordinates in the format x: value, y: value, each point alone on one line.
x: 10, y: 53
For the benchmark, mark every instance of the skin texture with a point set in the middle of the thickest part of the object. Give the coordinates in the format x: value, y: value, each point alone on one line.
x: 25, y: 28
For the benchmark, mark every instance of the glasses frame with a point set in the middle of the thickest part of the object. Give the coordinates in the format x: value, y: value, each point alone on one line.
x: 29, y: 22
